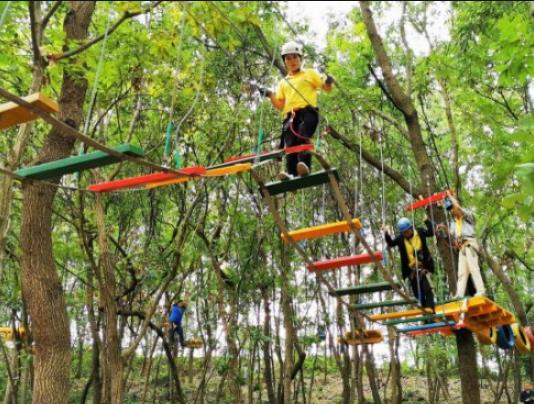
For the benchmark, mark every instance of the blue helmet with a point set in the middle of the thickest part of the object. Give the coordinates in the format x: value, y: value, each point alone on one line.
x: 404, y: 224
x: 448, y: 204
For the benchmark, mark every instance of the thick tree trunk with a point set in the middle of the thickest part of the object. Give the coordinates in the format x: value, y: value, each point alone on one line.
x: 41, y: 287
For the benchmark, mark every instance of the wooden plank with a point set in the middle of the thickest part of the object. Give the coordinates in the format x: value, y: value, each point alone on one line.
x: 249, y: 158
x: 427, y: 201
x: 322, y: 230
x: 145, y: 179
x: 340, y: 262
x: 312, y: 180
x: 374, y: 305
x: 81, y: 162
x: 211, y: 172
x: 355, y: 337
x: 13, y: 114
x: 422, y: 327
x: 414, y: 319
x: 366, y: 288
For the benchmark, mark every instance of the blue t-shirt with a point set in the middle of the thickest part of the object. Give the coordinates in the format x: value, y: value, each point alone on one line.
x: 176, y: 314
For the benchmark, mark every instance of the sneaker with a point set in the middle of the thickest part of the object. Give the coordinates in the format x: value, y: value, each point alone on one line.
x: 302, y: 169
x: 283, y: 176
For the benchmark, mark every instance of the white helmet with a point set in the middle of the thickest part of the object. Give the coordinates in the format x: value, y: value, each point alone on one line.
x: 291, y: 47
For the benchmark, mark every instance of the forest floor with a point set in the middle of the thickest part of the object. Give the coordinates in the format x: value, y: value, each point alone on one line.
x: 325, y: 391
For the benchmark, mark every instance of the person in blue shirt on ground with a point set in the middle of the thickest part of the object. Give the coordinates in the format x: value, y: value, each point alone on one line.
x: 176, y: 316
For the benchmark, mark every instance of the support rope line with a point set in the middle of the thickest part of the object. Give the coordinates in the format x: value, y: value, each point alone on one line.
x: 69, y: 131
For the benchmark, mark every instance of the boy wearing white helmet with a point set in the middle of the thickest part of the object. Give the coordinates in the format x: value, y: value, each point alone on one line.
x: 416, y: 261
x: 296, y: 98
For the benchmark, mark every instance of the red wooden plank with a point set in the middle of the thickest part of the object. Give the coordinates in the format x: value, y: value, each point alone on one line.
x: 145, y: 179
x: 344, y: 261
x: 287, y: 150
x: 299, y: 148
x: 427, y: 201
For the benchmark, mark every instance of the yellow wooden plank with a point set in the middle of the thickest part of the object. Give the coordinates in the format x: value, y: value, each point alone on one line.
x: 6, y: 333
x: 322, y: 230
x: 13, y: 114
x: 214, y: 172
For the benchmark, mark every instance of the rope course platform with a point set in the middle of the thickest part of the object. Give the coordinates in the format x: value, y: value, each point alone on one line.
x: 361, y: 337
x: 477, y: 314
x: 12, y: 114
x: 194, y: 343
x: 81, y: 162
x: 321, y: 231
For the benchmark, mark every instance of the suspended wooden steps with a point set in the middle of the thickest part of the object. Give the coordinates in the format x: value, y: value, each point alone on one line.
x: 427, y: 201
x: 356, y: 337
x: 294, y: 184
x: 251, y: 158
x: 211, y: 172
x: 81, y: 162
x: 322, y: 230
x: 340, y: 262
x: 13, y: 114
x: 366, y: 288
x: 6, y: 333
x: 146, y: 179
x: 477, y: 313
x: 385, y: 303
x: 194, y: 343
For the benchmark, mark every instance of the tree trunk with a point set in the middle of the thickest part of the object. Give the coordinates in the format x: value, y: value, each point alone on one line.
x: 41, y: 287
x: 112, y: 369
x: 465, y: 342
x: 267, y: 369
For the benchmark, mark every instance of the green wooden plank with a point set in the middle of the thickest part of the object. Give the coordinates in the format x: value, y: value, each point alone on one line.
x: 81, y: 162
x: 251, y: 159
x: 314, y: 179
x: 386, y: 303
x: 367, y: 288
x: 414, y: 319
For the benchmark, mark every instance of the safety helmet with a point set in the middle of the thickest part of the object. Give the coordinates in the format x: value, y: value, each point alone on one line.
x: 404, y: 224
x: 448, y: 204
x: 291, y: 47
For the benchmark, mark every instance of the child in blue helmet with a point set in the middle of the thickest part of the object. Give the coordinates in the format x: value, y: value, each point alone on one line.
x: 176, y: 316
x: 416, y: 261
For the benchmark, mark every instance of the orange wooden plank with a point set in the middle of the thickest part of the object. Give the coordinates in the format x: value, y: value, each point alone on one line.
x: 356, y: 338
x: 213, y: 172
x: 13, y: 114
x: 322, y: 230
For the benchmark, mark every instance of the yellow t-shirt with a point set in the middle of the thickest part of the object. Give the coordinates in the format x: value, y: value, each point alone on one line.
x: 306, y: 82
x: 412, y: 245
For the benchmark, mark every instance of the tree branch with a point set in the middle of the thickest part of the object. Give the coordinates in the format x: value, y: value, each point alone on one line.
x: 126, y: 16
x: 50, y: 13
x: 373, y: 161
x: 36, y: 30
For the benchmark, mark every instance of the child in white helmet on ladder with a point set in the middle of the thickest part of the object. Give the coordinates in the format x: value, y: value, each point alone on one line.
x: 296, y: 98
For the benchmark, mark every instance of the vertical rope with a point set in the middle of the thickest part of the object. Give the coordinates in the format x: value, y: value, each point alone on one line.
x: 95, y: 87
